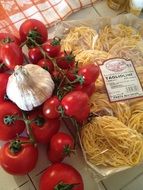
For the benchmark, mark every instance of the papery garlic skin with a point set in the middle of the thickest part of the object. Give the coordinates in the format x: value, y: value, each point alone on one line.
x: 29, y: 86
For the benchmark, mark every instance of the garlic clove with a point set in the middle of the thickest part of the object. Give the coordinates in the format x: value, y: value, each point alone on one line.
x: 29, y: 86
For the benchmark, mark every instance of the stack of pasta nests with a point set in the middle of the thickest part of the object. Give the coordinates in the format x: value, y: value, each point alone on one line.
x: 115, y: 137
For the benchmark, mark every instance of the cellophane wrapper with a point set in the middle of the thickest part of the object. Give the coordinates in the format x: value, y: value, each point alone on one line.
x: 62, y: 29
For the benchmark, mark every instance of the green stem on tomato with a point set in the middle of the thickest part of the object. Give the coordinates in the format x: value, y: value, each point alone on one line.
x: 64, y: 186
x: 61, y: 83
x: 1, y: 65
x: 71, y: 132
x: 24, y: 43
x: 75, y: 124
x: 28, y: 127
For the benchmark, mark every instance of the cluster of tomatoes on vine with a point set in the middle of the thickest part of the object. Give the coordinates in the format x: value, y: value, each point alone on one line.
x: 73, y: 87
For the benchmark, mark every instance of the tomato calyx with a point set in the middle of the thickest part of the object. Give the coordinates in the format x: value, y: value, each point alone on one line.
x: 15, y: 146
x: 9, y: 119
x: 64, y: 186
x: 56, y: 41
x: 68, y: 150
x: 33, y: 37
x: 7, y: 40
x: 79, y: 79
x: 69, y: 57
x: 39, y: 121
x: 34, y: 34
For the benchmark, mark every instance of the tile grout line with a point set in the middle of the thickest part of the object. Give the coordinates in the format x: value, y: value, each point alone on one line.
x: 41, y: 172
x: 132, y: 180
x: 103, y: 184
x: 96, y: 11
x: 21, y: 185
x: 31, y: 181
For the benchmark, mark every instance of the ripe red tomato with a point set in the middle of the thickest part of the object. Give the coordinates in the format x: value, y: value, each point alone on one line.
x: 61, y: 176
x: 3, y: 82
x: 52, y: 47
x: 75, y: 105
x: 89, y: 89
x: 90, y: 73
x: 35, y: 55
x: 34, y: 29
x: 50, y: 108
x: 61, y: 145
x: 43, y: 129
x: 71, y: 75
x: 11, y: 54
x: 65, y: 60
x: 7, y: 37
x: 9, y: 127
x: 46, y: 64
x: 17, y: 158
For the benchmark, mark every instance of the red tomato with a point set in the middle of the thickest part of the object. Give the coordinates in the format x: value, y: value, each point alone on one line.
x: 7, y: 37
x: 50, y: 108
x: 65, y: 60
x: 43, y: 129
x: 35, y: 55
x: 17, y: 158
x: 3, y: 83
x: 11, y: 54
x: 52, y: 47
x: 90, y: 73
x: 9, y: 127
x: 46, y: 64
x: 75, y: 105
x: 61, y: 176
x: 89, y: 89
x: 34, y: 29
x: 61, y: 145
x: 71, y: 75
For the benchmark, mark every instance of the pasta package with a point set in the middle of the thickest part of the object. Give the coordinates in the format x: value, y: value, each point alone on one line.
x: 112, y: 139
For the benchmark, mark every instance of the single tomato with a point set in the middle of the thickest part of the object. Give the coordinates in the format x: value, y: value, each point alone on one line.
x: 61, y: 145
x: 35, y: 55
x: 3, y: 82
x: 75, y: 104
x: 50, y: 108
x: 11, y: 55
x: 90, y: 73
x: 10, y: 126
x: 46, y: 64
x: 18, y: 157
x: 52, y: 47
x: 43, y: 129
x: 61, y: 176
x: 33, y: 29
x: 65, y: 60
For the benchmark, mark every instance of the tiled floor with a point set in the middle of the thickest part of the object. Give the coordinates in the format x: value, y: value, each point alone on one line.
x: 128, y: 180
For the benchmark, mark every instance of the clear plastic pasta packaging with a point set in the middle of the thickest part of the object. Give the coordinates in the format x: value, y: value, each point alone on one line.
x: 112, y: 140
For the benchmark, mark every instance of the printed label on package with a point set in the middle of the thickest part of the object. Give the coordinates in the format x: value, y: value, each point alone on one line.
x: 121, y: 79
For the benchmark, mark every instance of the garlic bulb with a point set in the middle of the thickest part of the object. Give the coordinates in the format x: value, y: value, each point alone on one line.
x: 29, y: 86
